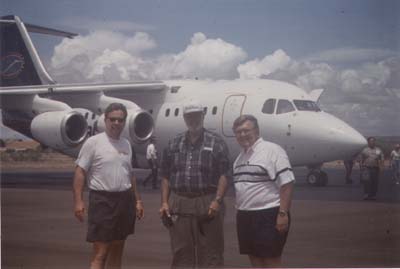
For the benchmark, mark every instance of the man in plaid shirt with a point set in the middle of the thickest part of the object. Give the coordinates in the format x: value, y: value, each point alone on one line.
x: 194, y: 170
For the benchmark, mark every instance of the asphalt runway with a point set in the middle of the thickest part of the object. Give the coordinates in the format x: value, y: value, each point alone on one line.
x: 331, y: 226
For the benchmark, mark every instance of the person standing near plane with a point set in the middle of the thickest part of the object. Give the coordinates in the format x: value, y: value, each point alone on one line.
x: 195, y: 167
x: 114, y: 201
x: 371, y: 159
x: 263, y: 180
x: 395, y: 164
x: 151, y: 156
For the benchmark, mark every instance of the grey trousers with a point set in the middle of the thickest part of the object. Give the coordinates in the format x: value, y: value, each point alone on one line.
x: 196, y: 241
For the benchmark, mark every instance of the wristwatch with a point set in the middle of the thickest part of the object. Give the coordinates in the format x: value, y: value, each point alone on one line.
x: 282, y: 213
x: 218, y: 199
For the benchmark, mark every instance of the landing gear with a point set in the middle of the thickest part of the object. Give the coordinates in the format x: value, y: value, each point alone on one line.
x: 316, y: 177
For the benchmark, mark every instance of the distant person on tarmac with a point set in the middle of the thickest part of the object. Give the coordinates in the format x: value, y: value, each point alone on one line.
x: 263, y: 180
x: 114, y: 202
x: 371, y: 159
x: 395, y: 164
x: 348, y: 164
x: 151, y: 156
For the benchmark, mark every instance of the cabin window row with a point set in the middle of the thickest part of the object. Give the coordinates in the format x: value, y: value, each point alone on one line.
x: 177, y: 110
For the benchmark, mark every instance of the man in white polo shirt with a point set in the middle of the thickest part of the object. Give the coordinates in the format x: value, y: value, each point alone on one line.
x: 114, y: 202
x: 263, y: 180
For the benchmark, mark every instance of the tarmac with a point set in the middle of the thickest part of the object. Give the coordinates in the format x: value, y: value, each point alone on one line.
x: 331, y: 226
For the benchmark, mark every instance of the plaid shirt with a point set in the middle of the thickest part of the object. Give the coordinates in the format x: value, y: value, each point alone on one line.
x: 198, y: 167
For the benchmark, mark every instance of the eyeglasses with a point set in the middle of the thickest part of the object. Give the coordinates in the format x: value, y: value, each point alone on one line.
x: 243, y: 131
x: 119, y: 120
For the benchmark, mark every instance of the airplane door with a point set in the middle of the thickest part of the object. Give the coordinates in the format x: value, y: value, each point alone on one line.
x: 232, y: 109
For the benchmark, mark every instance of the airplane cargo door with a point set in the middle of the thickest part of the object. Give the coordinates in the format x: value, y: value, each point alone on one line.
x: 232, y: 109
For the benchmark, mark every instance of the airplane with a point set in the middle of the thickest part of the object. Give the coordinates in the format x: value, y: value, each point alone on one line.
x: 63, y: 116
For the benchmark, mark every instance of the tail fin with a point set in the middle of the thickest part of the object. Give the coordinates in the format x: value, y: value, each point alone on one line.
x: 20, y: 64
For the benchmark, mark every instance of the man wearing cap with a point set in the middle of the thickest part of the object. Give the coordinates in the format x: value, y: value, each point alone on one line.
x: 194, y: 171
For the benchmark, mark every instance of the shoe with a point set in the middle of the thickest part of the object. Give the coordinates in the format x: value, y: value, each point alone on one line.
x: 397, y: 183
x: 369, y: 198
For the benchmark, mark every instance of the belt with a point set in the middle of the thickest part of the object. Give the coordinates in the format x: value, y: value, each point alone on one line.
x: 207, y: 191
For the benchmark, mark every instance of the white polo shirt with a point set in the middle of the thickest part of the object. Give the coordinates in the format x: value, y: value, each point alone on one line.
x: 107, y: 163
x: 258, y: 175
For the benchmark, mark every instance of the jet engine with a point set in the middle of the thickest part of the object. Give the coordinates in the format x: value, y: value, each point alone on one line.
x: 60, y: 129
x: 139, y: 126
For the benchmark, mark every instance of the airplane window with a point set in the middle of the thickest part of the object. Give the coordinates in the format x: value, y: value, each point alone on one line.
x: 214, y: 110
x: 205, y: 110
x: 86, y: 115
x: 151, y: 111
x: 93, y: 116
x: 306, y: 105
x: 176, y: 111
x: 167, y: 112
x: 284, y: 106
x: 269, y: 106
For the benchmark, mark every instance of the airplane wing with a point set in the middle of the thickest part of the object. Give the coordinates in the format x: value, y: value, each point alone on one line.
x: 132, y: 87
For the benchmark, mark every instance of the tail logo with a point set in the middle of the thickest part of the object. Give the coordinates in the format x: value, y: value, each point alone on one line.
x: 11, y: 65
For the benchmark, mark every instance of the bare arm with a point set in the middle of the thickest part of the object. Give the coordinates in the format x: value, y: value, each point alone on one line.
x: 164, y: 197
x: 285, y: 194
x: 221, y: 189
x: 139, y: 202
x: 78, y: 185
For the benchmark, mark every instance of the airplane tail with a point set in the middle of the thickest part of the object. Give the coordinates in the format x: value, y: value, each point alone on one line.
x: 20, y: 64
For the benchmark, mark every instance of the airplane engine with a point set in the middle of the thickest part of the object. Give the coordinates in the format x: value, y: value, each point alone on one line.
x: 60, y: 129
x: 139, y: 126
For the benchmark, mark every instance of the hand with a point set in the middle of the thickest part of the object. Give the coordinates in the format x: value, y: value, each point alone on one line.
x: 139, y: 210
x: 213, y: 209
x: 79, y: 210
x: 282, y: 223
x: 164, y: 210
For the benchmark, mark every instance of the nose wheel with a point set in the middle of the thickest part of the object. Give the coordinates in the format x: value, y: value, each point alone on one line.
x: 317, y: 178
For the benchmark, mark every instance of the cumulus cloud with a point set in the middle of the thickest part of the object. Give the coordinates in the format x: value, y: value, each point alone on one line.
x: 366, y: 94
x: 269, y: 64
x: 203, y: 58
x: 88, y: 58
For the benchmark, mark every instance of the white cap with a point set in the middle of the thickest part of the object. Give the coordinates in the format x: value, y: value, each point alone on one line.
x: 192, y: 106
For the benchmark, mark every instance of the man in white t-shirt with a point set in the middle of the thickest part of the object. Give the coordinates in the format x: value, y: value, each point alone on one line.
x: 114, y: 202
x: 263, y: 180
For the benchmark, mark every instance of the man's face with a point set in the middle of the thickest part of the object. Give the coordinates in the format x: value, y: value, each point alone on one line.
x: 371, y: 142
x: 246, y: 134
x: 115, y: 123
x: 194, y: 121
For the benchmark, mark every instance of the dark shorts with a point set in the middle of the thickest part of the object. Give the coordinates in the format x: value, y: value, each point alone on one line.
x: 111, y: 215
x: 257, y: 234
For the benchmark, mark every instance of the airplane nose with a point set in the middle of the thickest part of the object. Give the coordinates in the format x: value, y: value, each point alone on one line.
x: 348, y: 141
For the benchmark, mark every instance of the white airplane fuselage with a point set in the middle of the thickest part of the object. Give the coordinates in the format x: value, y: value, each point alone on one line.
x: 309, y: 137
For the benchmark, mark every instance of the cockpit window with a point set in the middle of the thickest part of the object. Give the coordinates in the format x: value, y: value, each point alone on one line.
x: 269, y: 106
x: 284, y: 106
x: 306, y: 105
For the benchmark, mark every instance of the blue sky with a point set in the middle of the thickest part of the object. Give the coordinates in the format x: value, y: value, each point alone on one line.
x: 348, y: 47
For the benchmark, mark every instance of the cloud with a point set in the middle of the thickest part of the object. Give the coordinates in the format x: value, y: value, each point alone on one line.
x: 365, y: 94
x: 89, y: 57
x: 269, y: 64
x: 203, y: 58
